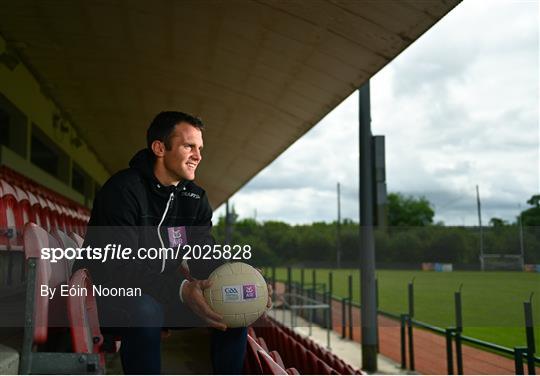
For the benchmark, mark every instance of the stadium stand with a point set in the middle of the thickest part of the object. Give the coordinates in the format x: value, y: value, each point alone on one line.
x: 87, y: 353
x: 23, y: 200
x: 259, y: 361
x: 309, y: 359
x: 63, y: 335
x: 23, y: 203
x: 300, y: 352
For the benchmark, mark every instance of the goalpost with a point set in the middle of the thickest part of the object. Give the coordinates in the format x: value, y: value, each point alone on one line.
x: 501, y: 261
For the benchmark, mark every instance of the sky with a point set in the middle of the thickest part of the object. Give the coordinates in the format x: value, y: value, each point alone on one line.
x: 458, y: 108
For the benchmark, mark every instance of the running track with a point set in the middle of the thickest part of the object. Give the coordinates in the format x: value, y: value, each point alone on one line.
x: 429, y: 348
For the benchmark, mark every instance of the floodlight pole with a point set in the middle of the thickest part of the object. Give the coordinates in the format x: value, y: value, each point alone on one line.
x: 228, y: 224
x: 521, y: 246
x: 481, y: 230
x: 338, y: 227
x: 367, y: 243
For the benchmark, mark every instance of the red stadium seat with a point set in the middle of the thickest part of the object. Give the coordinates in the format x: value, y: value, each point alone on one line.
x: 300, y: 358
x: 109, y: 343
x: 83, y: 318
x: 42, y: 314
x: 48, y: 208
x: 46, y: 273
x: 60, y: 217
x: 322, y: 368
x: 81, y: 222
x: 10, y: 218
x: 54, y: 214
x: 35, y: 206
x: 44, y: 214
x: 27, y: 214
x: 294, y: 354
x: 292, y: 371
x: 253, y: 362
x: 34, y: 203
x: 65, y: 242
x: 277, y: 358
x: 262, y: 342
x: 251, y: 332
x: 269, y: 366
x: 268, y: 333
x: 69, y: 219
x: 299, y: 352
x: 77, y: 238
x: 64, y: 217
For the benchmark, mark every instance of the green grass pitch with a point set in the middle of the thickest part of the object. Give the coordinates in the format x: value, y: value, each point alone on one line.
x: 492, y: 301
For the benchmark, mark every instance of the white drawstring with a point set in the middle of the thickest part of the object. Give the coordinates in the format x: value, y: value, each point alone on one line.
x: 163, y: 251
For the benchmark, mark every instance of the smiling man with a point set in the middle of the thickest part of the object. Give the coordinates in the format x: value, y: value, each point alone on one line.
x: 155, y: 203
x: 178, y: 153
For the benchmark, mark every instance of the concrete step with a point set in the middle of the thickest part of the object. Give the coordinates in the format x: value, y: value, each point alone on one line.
x: 9, y: 360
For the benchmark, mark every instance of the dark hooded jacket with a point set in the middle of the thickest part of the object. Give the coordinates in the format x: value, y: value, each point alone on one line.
x: 129, y: 211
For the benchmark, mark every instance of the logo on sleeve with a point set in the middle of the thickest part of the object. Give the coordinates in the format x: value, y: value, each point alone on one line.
x: 190, y: 194
x: 177, y: 236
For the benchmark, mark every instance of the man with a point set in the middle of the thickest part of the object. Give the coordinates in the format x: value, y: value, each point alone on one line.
x: 154, y: 203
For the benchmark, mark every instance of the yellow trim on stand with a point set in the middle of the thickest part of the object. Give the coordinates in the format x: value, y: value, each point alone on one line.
x: 24, y: 91
x: 14, y: 161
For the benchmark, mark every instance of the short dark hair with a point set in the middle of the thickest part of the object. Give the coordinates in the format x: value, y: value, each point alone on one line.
x: 163, y: 124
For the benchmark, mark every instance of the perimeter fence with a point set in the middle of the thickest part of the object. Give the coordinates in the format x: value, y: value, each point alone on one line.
x: 341, y: 319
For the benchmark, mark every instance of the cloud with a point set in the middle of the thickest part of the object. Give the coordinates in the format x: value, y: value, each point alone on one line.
x: 458, y: 108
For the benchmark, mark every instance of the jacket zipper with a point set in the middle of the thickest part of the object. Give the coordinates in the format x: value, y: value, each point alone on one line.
x: 171, y: 198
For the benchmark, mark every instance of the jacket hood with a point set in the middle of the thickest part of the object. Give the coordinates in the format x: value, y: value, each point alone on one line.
x: 143, y: 162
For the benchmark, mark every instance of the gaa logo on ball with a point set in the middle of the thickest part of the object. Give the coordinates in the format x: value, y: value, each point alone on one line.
x: 231, y: 293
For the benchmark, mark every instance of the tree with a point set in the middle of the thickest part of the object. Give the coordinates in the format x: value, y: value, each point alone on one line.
x: 409, y: 211
x: 531, y: 216
x: 534, y: 201
x: 281, y: 239
x: 497, y: 222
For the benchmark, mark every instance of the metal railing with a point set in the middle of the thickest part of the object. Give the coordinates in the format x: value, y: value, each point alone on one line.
x: 453, y: 335
x: 298, y: 303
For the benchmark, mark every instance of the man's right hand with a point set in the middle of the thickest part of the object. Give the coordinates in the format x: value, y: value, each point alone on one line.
x: 192, y: 295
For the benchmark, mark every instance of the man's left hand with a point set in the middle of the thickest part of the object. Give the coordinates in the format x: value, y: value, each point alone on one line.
x: 269, y: 304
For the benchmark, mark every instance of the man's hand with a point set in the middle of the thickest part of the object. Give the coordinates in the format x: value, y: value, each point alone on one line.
x: 269, y: 303
x: 192, y: 295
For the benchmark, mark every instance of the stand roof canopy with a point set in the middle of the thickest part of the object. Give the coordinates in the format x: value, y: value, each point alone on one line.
x: 259, y: 73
